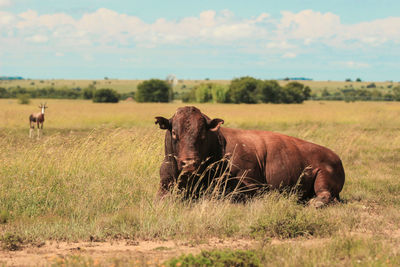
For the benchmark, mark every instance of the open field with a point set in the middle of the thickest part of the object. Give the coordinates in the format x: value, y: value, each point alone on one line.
x: 125, y: 86
x: 93, y: 176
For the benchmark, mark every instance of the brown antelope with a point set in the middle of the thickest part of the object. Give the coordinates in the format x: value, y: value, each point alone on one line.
x: 37, y: 118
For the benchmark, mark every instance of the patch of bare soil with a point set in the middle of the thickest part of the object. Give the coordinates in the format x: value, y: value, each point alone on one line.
x: 150, y: 252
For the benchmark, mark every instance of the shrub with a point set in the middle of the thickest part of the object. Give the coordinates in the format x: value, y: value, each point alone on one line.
x: 295, y: 92
x: 269, y: 91
x: 244, y: 90
x: 23, y: 99
x: 105, y: 96
x: 219, y: 93
x: 88, y: 92
x: 4, y: 93
x: 217, y: 258
x: 203, y: 93
x: 154, y: 90
x: 11, y: 242
x: 396, y: 93
x: 371, y: 85
x: 189, y: 96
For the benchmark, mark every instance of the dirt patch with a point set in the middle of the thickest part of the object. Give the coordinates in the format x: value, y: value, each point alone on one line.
x: 150, y: 252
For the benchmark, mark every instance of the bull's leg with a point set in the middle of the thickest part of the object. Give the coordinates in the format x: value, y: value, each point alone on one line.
x: 166, y: 178
x: 325, y: 188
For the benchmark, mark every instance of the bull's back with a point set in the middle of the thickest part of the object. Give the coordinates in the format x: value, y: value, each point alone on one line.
x: 281, y: 159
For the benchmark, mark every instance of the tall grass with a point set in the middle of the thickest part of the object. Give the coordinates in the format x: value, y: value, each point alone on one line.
x: 95, y: 173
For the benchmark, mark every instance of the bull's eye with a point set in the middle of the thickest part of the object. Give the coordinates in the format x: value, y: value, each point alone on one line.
x: 174, y: 134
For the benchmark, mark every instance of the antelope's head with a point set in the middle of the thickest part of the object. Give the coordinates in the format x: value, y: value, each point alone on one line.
x: 43, y: 107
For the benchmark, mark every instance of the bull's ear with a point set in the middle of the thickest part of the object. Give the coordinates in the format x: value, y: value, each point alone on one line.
x: 213, y: 125
x: 163, y: 122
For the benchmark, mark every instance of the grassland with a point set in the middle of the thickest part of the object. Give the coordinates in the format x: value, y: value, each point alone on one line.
x: 94, y: 175
x: 125, y: 86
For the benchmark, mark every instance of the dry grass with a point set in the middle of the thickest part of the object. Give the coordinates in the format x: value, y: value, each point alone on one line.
x: 94, y: 174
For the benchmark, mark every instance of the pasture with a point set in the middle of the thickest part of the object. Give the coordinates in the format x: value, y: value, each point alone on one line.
x: 125, y: 86
x: 93, y: 176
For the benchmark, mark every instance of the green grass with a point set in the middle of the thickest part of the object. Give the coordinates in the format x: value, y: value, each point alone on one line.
x: 95, y: 173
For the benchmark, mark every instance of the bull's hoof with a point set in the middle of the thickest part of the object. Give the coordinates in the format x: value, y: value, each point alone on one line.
x: 316, y: 203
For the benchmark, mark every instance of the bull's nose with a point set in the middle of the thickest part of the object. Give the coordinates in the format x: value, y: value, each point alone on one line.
x: 188, y: 165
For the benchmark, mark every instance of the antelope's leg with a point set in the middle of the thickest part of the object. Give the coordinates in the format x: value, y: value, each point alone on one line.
x: 31, y: 126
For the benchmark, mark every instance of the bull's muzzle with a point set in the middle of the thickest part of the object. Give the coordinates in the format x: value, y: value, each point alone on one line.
x: 188, y: 165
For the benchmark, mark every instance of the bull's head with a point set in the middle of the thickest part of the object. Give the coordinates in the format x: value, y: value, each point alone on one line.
x: 190, y: 132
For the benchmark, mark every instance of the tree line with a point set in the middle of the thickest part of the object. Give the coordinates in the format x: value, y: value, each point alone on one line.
x: 97, y: 95
x: 240, y: 90
x: 351, y: 95
x: 249, y: 90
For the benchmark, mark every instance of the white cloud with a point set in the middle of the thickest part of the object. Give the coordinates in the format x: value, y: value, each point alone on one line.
x: 356, y: 65
x: 59, y: 54
x: 308, y: 24
x: 38, y: 38
x: 289, y: 55
x: 4, y: 3
x: 105, y: 27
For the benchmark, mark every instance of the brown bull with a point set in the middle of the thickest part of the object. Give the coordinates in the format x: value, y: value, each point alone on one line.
x: 257, y: 159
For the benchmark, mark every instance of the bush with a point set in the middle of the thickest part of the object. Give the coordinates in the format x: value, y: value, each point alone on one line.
x: 105, y: 96
x: 4, y: 93
x: 269, y: 91
x: 219, y: 94
x: 244, y: 90
x: 396, y: 93
x: 295, y: 92
x: 217, y: 258
x: 11, y: 242
x: 189, y: 97
x: 88, y: 92
x: 154, y: 90
x: 208, y: 92
x: 203, y: 93
x: 23, y: 99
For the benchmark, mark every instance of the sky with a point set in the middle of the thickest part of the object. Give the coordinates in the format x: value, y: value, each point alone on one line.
x: 219, y: 39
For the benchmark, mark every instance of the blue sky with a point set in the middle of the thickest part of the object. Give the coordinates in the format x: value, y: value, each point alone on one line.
x: 323, y: 40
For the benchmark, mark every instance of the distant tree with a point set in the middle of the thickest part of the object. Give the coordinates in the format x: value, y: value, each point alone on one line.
x: 23, y: 99
x: 88, y: 92
x: 4, y: 93
x: 190, y: 96
x: 358, y: 80
x: 295, y: 92
x: 219, y: 93
x: 106, y: 78
x: 396, y: 93
x: 106, y: 95
x: 154, y: 90
x: 371, y: 85
x: 269, y: 91
x: 244, y: 90
x: 325, y: 93
x: 348, y: 80
x: 388, y: 97
x: 203, y: 93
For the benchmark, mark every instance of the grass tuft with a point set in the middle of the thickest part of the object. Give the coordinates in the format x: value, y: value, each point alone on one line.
x: 217, y: 258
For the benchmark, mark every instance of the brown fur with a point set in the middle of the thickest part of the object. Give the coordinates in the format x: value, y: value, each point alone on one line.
x: 260, y: 159
x: 37, y: 118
